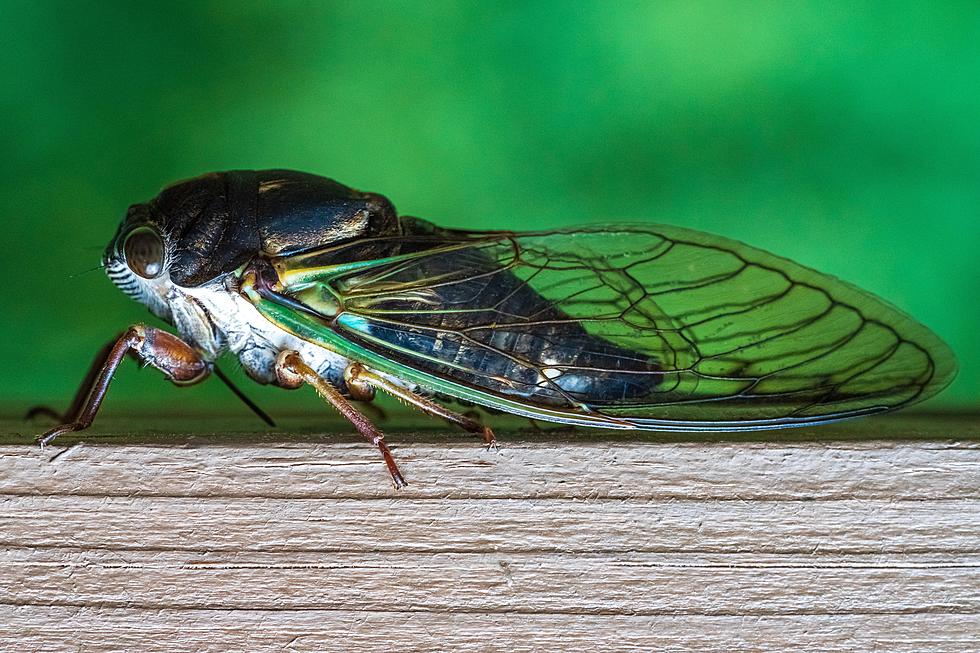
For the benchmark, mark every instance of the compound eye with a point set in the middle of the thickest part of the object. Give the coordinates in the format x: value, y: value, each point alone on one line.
x: 144, y: 253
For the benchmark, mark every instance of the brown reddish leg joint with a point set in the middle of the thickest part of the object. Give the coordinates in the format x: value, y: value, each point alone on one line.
x: 178, y: 361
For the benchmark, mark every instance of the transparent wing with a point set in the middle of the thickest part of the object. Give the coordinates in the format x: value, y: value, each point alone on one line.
x: 632, y: 326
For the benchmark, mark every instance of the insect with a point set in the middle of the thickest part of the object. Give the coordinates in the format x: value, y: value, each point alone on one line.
x: 309, y: 282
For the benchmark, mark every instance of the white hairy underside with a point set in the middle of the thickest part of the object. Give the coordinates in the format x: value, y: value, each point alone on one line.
x: 218, y: 320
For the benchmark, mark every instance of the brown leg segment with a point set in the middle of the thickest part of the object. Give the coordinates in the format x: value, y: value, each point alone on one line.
x: 164, y: 351
x: 292, y: 371
x: 81, y: 394
x: 357, y: 374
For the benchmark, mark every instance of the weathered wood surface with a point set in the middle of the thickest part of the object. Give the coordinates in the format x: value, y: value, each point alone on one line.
x: 554, y: 543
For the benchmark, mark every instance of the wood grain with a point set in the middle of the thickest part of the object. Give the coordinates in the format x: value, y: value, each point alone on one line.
x: 555, y: 543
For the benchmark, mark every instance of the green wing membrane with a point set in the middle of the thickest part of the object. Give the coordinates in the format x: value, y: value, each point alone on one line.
x: 632, y: 326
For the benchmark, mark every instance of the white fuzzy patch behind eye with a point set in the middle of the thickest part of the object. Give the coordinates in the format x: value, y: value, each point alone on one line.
x: 124, y: 279
x: 150, y: 292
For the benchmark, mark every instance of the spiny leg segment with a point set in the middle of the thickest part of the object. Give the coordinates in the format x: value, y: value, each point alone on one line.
x: 293, y: 371
x: 356, y: 374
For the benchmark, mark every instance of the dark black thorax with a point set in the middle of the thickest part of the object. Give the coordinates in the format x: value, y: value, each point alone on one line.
x: 218, y: 222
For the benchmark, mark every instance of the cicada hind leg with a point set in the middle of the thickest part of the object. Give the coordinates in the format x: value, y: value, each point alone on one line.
x: 359, y: 378
x: 292, y: 372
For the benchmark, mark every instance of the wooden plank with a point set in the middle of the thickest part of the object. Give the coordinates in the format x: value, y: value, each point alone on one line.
x: 207, y: 631
x: 513, y: 525
x: 724, y: 471
x: 607, y: 583
x: 555, y: 543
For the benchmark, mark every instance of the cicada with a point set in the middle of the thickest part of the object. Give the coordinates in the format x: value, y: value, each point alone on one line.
x: 619, y: 326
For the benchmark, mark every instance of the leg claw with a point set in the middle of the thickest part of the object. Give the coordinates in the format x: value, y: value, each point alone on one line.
x: 489, y: 439
x: 46, y: 438
x: 398, y: 481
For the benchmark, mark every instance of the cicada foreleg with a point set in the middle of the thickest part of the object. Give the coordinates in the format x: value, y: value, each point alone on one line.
x: 292, y: 372
x: 180, y: 362
x: 357, y: 376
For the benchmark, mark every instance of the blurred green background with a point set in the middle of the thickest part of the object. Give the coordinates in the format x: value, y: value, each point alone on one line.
x: 845, y: 135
